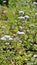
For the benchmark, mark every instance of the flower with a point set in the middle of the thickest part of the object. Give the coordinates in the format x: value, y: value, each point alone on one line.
x: 26, y: 16
x: 35, y: 56
x: 35, y: 14
x: 4, y: 1
x: 7, y: 43
x: 14, y: 35
x: 35, y: 3
x: 6, y: 37
x: 3, y: 38
x: 21, y: 12
x: 21, y: 17
x: 20, y: 32
x: 20, y: 28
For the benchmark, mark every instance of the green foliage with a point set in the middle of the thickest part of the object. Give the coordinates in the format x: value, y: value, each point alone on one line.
x: 22, y: 48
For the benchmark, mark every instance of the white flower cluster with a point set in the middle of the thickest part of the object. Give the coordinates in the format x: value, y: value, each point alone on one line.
x: 35, y: 56
x: 27, y: 17
x: 6, y: 37
x: 20, y: 33
x: 23, y: 17
x: 21, y: 12
x: 4, y: 1
x: 35, y: 3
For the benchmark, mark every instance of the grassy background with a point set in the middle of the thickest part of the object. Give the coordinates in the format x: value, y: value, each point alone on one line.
x: 18, y: 52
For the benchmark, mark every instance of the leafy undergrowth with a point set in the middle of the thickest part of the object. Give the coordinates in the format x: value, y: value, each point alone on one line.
x: 18, y: 37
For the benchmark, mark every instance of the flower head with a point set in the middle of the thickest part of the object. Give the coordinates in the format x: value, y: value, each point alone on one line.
x: 27, y: 17
x: 35, y: 3
x: 21, y: 12
x: 20, y: 32
x: 35, y: 56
